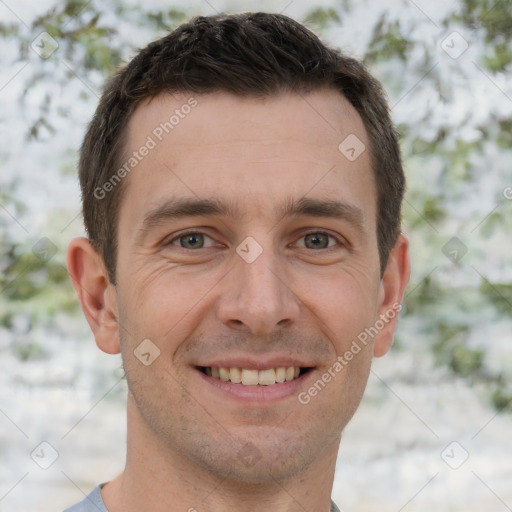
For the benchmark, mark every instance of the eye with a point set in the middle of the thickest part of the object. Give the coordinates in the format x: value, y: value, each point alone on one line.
x: 317, y: 240
x: 192, y: 240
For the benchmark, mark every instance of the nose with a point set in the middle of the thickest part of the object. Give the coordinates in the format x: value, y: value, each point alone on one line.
x: 257, y: 297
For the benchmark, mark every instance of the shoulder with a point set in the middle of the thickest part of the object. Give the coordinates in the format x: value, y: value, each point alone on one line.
x: 91, y: 503
x: 334, y: 508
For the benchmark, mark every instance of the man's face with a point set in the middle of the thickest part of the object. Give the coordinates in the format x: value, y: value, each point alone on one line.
x: 247, y: 240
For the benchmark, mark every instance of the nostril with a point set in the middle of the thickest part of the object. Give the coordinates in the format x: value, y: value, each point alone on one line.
x: 238, y: 325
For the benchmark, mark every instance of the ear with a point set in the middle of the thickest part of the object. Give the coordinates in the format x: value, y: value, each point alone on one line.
x: 392, y: 287
x: 96, y: 294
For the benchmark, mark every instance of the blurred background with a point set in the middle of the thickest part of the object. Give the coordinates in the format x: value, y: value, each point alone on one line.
x: 434, y: 429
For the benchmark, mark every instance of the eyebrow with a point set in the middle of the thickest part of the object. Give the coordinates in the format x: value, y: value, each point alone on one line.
x: 194, y: 207
x: 185, y: 207
x: 324, y: 208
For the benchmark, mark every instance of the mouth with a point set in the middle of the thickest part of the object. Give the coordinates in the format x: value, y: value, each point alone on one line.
x: 254, y: 377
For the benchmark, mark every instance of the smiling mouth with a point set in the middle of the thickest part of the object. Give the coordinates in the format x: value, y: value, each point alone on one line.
x: 249, y: 377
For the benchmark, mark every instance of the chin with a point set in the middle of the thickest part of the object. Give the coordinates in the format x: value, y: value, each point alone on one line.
x: 259, y: 458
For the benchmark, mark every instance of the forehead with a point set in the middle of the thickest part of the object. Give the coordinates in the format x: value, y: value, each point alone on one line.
x: 254, y: 151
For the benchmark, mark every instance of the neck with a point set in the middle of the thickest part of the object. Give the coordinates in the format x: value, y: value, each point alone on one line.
x: 157, y: 479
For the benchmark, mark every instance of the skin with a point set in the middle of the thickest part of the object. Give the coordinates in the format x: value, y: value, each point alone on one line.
x: 186, y: 439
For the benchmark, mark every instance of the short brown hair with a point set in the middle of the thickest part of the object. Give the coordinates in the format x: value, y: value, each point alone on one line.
x: 256, y: 54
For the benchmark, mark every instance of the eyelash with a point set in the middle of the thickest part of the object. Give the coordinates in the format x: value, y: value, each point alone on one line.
x: 185, y: 233
x: 338, y: 239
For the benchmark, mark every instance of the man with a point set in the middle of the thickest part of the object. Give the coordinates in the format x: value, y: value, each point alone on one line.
x: 242, y: 186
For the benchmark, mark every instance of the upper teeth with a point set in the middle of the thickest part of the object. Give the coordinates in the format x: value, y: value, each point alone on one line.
x: 254, y: 377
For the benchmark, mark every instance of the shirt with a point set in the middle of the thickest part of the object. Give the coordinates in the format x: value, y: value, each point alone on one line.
x: 94, y: 503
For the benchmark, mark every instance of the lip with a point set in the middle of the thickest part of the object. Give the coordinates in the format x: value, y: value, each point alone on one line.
x: 258, y: 395
x: 253, y: 364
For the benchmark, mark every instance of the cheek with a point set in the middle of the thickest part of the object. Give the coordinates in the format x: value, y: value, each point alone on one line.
x: 344, y: 302
x: 164, y: 302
